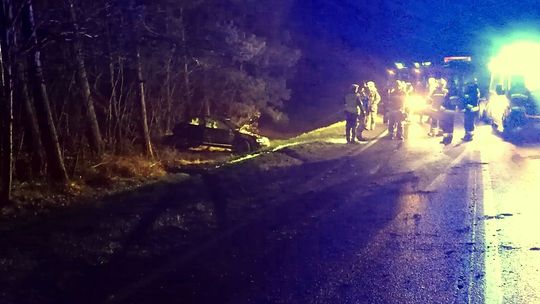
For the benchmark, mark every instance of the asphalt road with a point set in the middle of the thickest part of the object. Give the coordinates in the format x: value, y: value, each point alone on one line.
x: 381, y: 222
x: 385, y: 221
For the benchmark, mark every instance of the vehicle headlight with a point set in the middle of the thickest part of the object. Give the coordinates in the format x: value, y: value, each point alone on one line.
x: 263, y: 141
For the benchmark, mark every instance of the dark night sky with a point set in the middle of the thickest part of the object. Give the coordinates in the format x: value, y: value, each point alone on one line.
x: 355, y: 40
x: 412, y: 29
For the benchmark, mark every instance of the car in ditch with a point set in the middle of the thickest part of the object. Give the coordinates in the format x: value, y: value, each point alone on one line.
x: 214, y: 132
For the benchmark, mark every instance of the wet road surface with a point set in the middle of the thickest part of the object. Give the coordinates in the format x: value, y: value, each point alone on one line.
x: 390, y: 222
x: 380, y: 222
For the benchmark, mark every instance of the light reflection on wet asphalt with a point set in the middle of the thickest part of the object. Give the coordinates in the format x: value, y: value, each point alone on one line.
x: 513, y: 219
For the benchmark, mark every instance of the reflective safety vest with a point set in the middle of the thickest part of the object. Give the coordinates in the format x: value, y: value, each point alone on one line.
x: 437, y: 99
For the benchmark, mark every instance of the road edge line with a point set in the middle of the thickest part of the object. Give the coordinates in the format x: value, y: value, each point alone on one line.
x: 493, y: 273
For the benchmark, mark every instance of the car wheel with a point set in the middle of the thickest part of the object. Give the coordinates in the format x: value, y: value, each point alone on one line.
x: 242, y: 146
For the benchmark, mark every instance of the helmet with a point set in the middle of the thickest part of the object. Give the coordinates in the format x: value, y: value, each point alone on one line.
x: 442, y: 83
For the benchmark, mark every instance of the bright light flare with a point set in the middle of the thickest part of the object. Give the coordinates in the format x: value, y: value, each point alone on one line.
x: 263, y: 141
x: 399, y: 65
x: 415, y: 103
x: 519, y: 59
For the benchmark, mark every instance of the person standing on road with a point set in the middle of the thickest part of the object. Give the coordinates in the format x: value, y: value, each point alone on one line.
x: 448, y: 111
x: 364, y: 96
x: 471, y: 98
x: 374, y: 98
x: 396, y: 114
x: 354, y: 112
x: 436, y: 99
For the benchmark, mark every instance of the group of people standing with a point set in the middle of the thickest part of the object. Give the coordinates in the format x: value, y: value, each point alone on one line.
x: 443, y: 99
x: 361, y: 107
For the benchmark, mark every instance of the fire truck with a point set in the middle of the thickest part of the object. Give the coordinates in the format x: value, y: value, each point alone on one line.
x: 423, y: 75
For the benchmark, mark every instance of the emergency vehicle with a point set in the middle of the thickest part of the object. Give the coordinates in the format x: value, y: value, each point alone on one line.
x: 512, y: 106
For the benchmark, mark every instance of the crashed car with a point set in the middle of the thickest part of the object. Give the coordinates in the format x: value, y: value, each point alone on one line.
x: 214, y: 132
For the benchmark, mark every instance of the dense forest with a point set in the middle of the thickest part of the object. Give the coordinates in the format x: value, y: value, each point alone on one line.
x: 84, y: 79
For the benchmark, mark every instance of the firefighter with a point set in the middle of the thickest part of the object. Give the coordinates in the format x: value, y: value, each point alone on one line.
x: 448, y: 111
x: 396, y: 114
x: 471, y: 97
x: 432, y: 85
x: 364, y: 96
x: 354, y: 112
x: 436, y: 100
x: 374, y: 98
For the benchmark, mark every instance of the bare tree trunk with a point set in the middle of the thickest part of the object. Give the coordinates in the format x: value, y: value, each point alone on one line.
x: 36, y: 148
x: 6, y: 97
x: 135, y: 23
x: 187, y: 82
x: 147, y: 145
x: 55, y: 163
x: 112, y: 100
x: 94, y: 135
x: 169, y: 91
x: 112, y: 136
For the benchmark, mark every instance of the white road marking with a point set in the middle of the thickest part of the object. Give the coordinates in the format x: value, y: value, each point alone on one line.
x: 374, y: 141
x: 492, y: 261
x: 472, y: 190
x: 437, y: 181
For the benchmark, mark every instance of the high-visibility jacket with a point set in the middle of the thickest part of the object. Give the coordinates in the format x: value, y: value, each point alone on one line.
x: 437, y: 98
x: 374, y: 99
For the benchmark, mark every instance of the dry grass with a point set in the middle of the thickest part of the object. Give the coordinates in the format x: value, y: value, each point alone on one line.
x: 172, y: 159
x: 112, y: 174
x: 114, y: 168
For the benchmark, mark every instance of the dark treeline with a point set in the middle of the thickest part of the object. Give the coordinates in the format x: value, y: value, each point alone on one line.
x: 84, y: 78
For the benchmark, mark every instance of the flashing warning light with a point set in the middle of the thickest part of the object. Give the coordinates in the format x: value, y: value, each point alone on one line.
x: 417, y: 65
x: 457, y: 58
x: 426, y: 63
x: 391, y: 72
x: 417, y: 71
x: 399, y: 65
